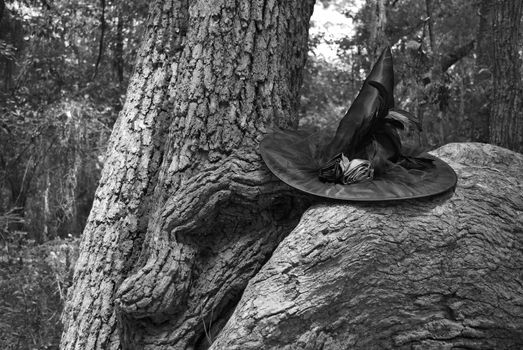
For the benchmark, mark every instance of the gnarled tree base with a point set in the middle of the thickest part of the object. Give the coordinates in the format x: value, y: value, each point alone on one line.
x: 436, y: 273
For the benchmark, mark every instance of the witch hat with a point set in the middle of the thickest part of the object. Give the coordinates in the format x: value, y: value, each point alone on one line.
x: 365, y: 160
x: 368, y: 106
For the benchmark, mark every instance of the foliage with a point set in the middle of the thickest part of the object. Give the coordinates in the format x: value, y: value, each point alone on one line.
x: 59, y: 97
x: 446, y: 100
x: 325, y: 94
x: 329, y: 83
x: 56, y: 115
x: 51, y: 159
x: 33, y: 283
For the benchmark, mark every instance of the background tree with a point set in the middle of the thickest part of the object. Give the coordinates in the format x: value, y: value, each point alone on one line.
x: 506, y: 121
x: 441, y: 52
x: 482, y: 89
x: 55, y: 119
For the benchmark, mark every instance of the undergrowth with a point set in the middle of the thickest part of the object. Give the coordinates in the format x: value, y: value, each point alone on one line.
x: 33, y: 284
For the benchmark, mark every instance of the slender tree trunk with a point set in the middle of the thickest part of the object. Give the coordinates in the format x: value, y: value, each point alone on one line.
x: 506, y: 121
x: 118, y: 62
x: 47, y: 210
x: 428, y: 10
x: 11, y: 32
x: 2, y: 7
x: 479, y: 129
x: 378, y: 38
x: 186, y: 212
x: 101, y: 42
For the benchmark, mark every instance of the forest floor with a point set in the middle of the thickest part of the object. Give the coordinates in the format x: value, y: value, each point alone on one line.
x: 34, y: 279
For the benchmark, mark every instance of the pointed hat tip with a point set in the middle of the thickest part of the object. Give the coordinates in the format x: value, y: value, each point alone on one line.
x: 382, y: 71
x: 383, y: 63
x: 386, y: 51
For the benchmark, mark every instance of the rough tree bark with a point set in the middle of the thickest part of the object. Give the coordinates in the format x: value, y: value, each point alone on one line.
x: 117, y: 223
x: 186, y: 213
x: 481, y: 98
x: 378, y: 38
x: 440, y: 273
x: 506, y: 123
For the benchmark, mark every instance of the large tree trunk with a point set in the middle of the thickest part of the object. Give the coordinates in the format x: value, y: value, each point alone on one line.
x: 506, y: 122
x: 118, y: 220
x: 186, y: 213
x: 437, y: 273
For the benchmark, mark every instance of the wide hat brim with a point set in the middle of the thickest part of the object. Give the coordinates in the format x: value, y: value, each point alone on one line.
x: 291, y: 160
